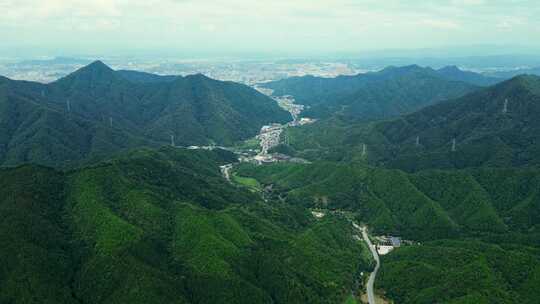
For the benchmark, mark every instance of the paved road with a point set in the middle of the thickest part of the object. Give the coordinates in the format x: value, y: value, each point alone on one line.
x: 373, y: 275
x: 226, y: 171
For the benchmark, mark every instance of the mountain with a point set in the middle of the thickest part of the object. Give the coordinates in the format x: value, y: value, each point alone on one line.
x: 376, y: 95
x: 496, y: 126
x: 474, y: 234
x: 33, y: 130
x: 426, y: 205
x: 454, y: 73
x: 96, y: 111
x: 463, y: 271
x: 164, y: 227
x: 506, y: 74
x: 485, y: 135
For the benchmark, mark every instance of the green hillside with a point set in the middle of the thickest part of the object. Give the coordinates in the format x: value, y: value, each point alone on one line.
x: 461, y: 272
x: 31, y: 131
x: 376, y: 95
x: 120, y: 222
x: 485, y: 133
x: 96, y: 111
x: 164, y: 227
x: 479, y: 229
x: 423, y: 206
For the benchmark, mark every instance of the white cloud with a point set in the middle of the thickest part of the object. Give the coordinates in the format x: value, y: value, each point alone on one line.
x: 468, y: 2
x: 441, y: 24
x: 285, y: 24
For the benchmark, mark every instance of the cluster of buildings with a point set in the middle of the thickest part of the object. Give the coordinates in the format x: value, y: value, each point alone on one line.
x: 385, y: 244
x: 269, y: 137
x: 249, y: 72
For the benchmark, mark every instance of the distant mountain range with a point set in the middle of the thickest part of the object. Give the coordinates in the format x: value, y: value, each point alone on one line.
x: 97, y: 110
x: 494, y: 126
x: 512, y: 73
x: 497, y: 126
x: 376, y: 95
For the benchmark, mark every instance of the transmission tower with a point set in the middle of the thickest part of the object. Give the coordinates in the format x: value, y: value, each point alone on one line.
x: 364, y: 149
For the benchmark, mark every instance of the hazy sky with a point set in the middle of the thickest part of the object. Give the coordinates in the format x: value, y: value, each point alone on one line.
x: 288, y: 26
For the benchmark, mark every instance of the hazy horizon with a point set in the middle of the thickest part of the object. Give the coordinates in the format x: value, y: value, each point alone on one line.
x: 287, y: 28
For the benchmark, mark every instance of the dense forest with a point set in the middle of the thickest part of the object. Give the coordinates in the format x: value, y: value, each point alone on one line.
x: 164, y: 226
x: 492, y: 127
x: 478, y: 229
x: 96, y: 111
x: 96, y: 206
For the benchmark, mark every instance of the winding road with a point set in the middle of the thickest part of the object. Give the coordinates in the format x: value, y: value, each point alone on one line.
x: 373, y: 275
x: 226, y: 171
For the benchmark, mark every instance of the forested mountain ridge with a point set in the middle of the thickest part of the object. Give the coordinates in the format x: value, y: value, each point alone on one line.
x: 475, y: 233
x: 427, y: 205
x: 455, y: 73
x: 96, y: 111
x: 495, y: 126
x: 164, y: 227
x: 376, y: 95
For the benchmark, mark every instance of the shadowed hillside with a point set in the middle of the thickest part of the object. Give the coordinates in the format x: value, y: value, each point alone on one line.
x: 164, y: 227
x: 495, y: 127
x: 96, y: 111
x: 376, y: 95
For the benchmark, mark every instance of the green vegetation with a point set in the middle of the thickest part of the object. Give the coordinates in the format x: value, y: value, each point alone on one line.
x: 247, y: 182
x: 35, y: 263
x: 351, y: 300
x: 252, y: 143
x: 164, y: 227
x: 423, y: 206
x: 95, y: 112
x: 489, y: 218
x: 384, y: 94
x: 485, y: 135
x: 461, y: 272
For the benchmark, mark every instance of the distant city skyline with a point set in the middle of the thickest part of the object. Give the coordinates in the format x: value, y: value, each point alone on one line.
x: 289, y: 27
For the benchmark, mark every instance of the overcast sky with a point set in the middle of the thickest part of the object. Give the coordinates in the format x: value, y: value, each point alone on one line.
x: 287, y: 26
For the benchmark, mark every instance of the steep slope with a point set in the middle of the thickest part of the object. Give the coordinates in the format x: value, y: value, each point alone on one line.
x: 479, y: 230
x: 495, y: 127
x: 96, y: 111
x: 454, y: 73
x: 388, y: 93
x: 461, y: 272
x: 514, y: 73
x: 33, y: 131
x: 423, y: 206
x: 164, y: 227
x: 35, y: 263
x: 197, y: 109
